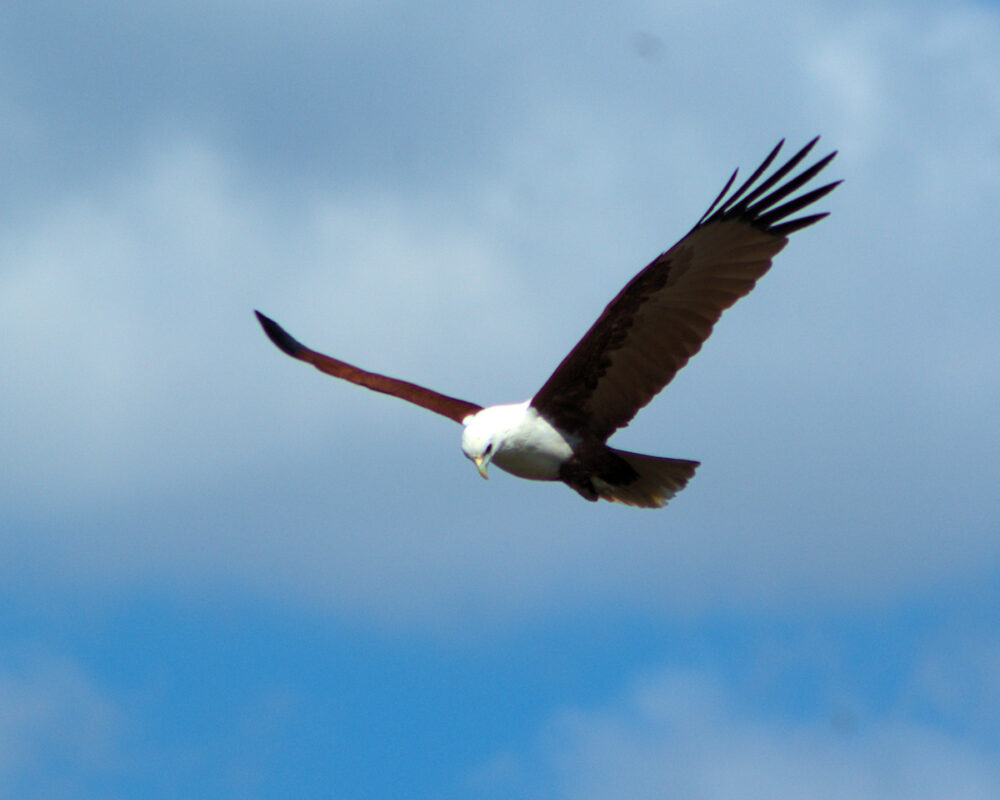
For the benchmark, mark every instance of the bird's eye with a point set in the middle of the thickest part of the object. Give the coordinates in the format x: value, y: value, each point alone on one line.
x: 489, y: 449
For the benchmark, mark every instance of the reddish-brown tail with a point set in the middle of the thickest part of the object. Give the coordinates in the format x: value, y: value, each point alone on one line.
x: 659, y: 480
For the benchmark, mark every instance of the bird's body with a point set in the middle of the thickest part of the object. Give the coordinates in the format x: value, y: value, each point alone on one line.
x: 646, y: 334
x: 519, y: 440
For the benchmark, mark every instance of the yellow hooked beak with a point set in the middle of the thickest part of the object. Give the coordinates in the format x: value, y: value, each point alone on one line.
x: 481, y: 465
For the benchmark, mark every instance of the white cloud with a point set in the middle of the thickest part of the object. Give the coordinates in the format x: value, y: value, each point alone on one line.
x: 133, y: 359
x: 957, y: 682
x: 57, y: 730
x: 683, y: 735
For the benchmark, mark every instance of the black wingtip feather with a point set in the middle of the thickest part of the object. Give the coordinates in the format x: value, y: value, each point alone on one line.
x: 757, y: 173
x: 788, y: 228
x: 764, y: 213
x: 722, y: 194
x: 776, y: 214
x: 796, y: 183
x: 281, y: 338
x: 776, y: 176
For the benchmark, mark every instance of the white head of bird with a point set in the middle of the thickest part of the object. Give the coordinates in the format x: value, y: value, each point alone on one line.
x: 517, y: 439
x: 483, y: 434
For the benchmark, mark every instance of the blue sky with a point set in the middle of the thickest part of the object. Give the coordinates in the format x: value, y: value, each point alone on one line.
x: 225, y: 575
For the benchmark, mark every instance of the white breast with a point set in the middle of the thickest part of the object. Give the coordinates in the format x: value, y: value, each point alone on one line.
x: 531, y: 447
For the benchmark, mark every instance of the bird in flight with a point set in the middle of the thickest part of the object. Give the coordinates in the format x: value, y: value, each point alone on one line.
x: 640, y: 341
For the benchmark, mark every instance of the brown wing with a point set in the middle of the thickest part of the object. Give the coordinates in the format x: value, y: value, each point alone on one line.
x: 433, y: 401
x: 665, y: 313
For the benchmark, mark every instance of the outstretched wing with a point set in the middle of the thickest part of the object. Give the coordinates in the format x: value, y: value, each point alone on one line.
x: 666, y: 312
x: 450, y: 407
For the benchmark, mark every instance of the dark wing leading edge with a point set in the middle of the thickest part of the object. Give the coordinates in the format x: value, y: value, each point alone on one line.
x: 450, y: 407
x: 665, y: 313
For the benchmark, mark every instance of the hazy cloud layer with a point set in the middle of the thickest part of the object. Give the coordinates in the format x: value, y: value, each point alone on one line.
x: 683, y: 734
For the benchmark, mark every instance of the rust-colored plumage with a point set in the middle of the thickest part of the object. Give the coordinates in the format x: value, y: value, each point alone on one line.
x: 450, y: 407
